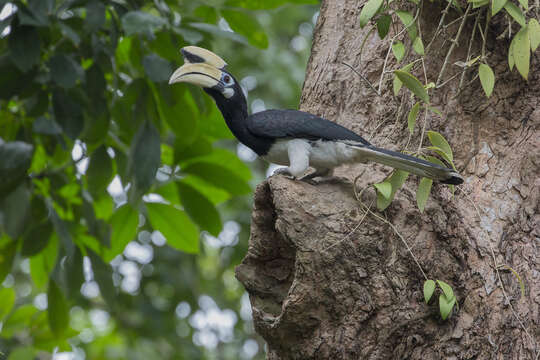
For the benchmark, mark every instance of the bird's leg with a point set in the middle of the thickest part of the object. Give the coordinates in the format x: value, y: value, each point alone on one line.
x: 298, y: 153
x: 318, y: 173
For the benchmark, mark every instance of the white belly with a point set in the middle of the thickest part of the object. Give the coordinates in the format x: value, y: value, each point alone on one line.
x: 329, y: 154
x: 321, y: 154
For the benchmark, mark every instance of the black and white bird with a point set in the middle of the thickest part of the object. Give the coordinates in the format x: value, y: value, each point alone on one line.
x: 292, y: 138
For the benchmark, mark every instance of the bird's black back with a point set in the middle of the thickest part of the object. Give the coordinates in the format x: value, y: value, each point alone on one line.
x: 298, y: 124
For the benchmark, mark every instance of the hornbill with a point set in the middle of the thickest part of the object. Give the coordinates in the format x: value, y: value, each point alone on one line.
x: 289, y: 137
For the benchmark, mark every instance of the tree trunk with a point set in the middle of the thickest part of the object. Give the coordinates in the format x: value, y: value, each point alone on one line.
x: 327, y: 281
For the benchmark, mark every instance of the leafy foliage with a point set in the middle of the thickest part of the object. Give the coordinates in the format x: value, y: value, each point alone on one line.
x: 101, y: 162
x: 447, y: 299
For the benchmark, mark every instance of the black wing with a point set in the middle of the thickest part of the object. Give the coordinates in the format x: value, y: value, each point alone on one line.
x: 298, y: 124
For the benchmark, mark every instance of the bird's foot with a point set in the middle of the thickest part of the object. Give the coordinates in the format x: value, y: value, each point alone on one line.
x: 323, y: 174
x: 285, y: 172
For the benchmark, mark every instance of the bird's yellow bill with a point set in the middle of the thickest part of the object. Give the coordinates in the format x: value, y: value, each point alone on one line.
x: 198, y: 55
x: 200, y: 74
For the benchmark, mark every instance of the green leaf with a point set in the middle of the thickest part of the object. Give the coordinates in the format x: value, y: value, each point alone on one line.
x: 18, y: 320
x: 418, y: 46
x: 24, y: 47
x: 103, y: 206
x: 95, y: 15
x: 97, y: 228
x: 265, y: 4
x: 487, y: 78
x: 68, y: 112
x: 65, y: 71
x: 429, y: 288
x: 213, y: 126
x: 124, y: 224
x: 434, y: 160
x: 534, y: 34
x: 216, y: 32
x: 413, y: 84
x: 384, y: 188
x: 7, y: 300
x: 397, y: 84
x: 413, y: 115
x: 522, y: 52
x: 225, y: 158
x: 212, y: 193
x: 399, y: 50
x: 36, y: 239
x: 447, y: 289
x: 15, y: 209
x: 69, y: 33
x: 444, y: 155
x: 22, y: 353
x: 15, y: 159
x: 103, y: 275
x: 145, y: 156
x: 516, y: 13
x: 369, y: 10
x: 100, y: 171
x: 183, y: 118
x: 140, y: 22
x: 408, y: 21
x: 73, y: 274
x: 397, y: 179
x: 439, y: 141
x: 163, y: 45
x: 422, y: 193
x: 175, y: 225
x: 497, y: 5
x: 46, y: 125
x: 247, y: 26
x: 96, y: 87
x: 7, y: 255
x: 43, y: 264
x: 479, y: 3
x: 511, y: 60
x: 157, y: 68
x: 199, y: 209
x: 200, y: 147
x: 36, y: 13
x: 525, y: 4
x: 226, y: 179
x: 383, y: 25
x: 57, y: 309
x: 445, y: 306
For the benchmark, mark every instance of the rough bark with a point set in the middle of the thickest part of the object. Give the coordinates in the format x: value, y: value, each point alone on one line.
x: 327, y: 282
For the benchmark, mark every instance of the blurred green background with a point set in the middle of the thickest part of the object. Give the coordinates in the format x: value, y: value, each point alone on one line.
x: 124, y: 202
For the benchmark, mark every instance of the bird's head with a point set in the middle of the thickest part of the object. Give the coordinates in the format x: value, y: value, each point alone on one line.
x: 207, y: 70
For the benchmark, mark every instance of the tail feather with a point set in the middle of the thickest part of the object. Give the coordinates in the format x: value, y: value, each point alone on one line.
x: 411, y: 164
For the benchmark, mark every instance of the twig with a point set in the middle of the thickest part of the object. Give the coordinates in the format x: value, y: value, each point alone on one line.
x: 447, y: 81
x: 390, y: 48
x: 439, y: 27
x: 473, y: 35
x: 423, y: 132
x: 454, y: 42
x: 362, y: 76
x: 488, y: 18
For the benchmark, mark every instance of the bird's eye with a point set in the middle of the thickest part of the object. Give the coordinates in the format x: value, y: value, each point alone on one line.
x: 227, y: 79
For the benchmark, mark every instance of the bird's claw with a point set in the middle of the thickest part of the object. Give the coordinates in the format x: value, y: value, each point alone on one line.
x: 285, y: 172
